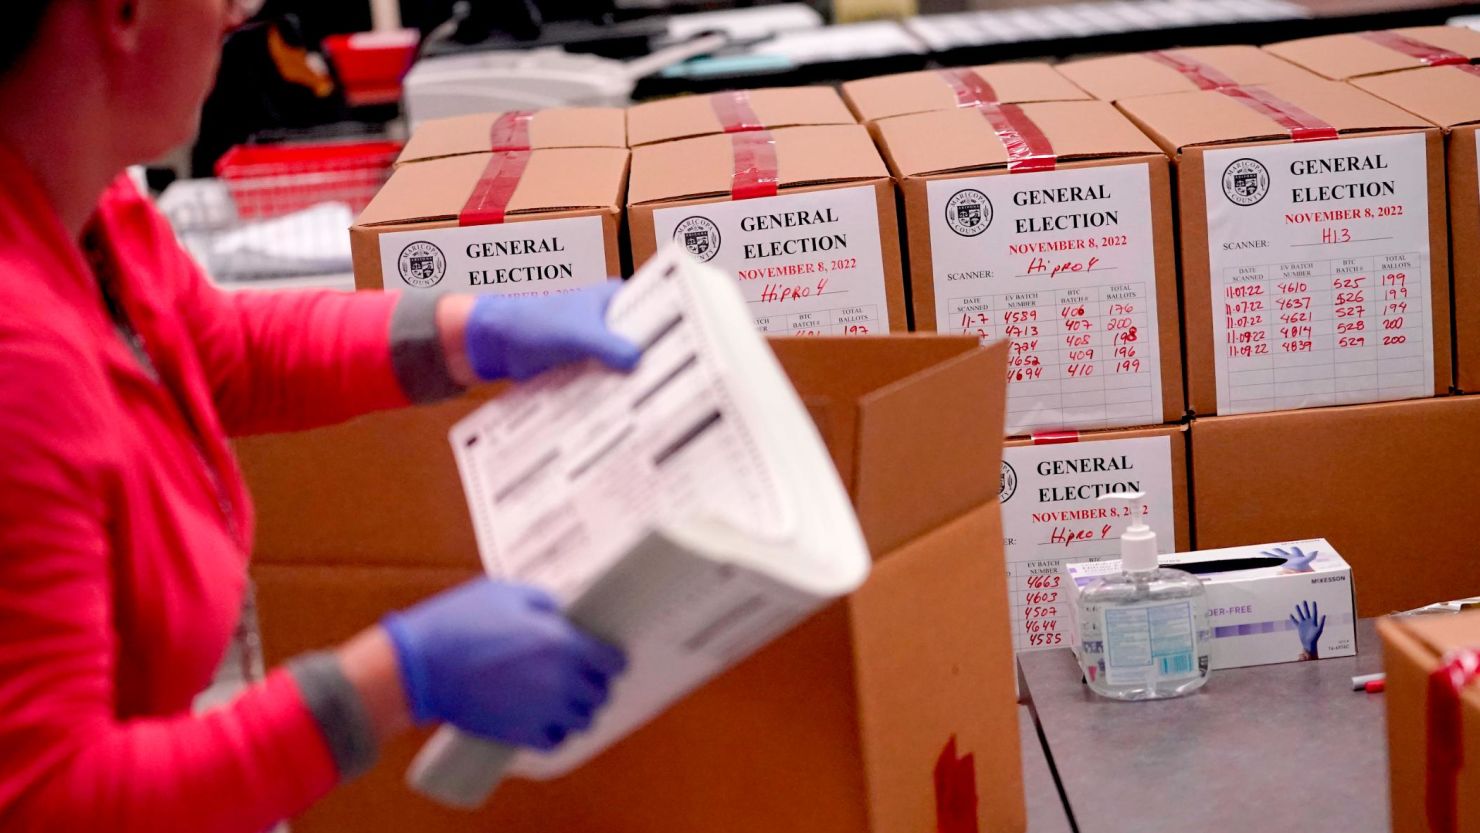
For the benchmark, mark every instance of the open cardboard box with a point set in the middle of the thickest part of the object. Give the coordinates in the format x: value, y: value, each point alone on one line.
x: 558, y: 127
x: 927, y: 90
x: 1314, y: 248
x: 1352, y: 55
x: 1413, y: 649
x: 847, y: 724
x: 1392, y: 486
x: 1450, y: 98
x: 818, y: 256
x: 1113, y: 77
x: 1087, y: 242
x: 558, y: 230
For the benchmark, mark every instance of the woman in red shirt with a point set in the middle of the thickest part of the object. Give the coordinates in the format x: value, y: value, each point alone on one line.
x: 124, y: 522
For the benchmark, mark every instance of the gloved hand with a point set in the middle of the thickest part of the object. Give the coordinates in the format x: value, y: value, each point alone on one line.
x: 499, y: 661
x: 521, y: 336
x: 1309, y: 624
x: 1296, y: 561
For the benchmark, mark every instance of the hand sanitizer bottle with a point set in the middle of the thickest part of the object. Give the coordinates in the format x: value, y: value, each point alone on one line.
x: 1144, y: 632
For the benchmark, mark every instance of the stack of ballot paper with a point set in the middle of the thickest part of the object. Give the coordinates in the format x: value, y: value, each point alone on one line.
x: 688, y: 512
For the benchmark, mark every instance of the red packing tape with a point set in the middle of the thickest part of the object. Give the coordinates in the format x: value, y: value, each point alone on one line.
x: 1055, y: 437
x: 1028, y: 150
x: 510, y: 131
x: 1446, y: 754
x: 971, y: 89
x: 1201, y: 73
x: 1427, y: 53
x: 490, y: 198
x: 755, y: 165
x: 955, y: 791
x: 1303, y: 126
x: 734, y: 112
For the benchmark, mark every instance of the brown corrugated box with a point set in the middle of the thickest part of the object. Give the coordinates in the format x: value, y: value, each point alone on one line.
x: 1114, y: 77
x: 837, y: 727
x: 1412, y: 649
x: 926, y: 90
x: 1352, y: 55
x: 1193, y: 125
x: 1450, y: 98
x: 694, y: 178
x: 1047, y: 506
x: 949, y: 145
x: 560, y: 127
x: 1391, y: 485
x: 699, y: 115
x: 427, y: 197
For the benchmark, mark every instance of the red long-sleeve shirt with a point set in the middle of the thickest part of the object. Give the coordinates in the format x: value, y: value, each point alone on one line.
x: 125, y: 525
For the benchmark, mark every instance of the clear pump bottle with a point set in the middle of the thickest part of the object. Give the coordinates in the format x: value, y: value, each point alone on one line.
x: 1144, y: 631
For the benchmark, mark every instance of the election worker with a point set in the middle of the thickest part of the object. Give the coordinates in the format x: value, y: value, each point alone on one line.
x: 124, y: 522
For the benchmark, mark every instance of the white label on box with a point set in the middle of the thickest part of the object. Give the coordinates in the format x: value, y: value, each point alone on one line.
x: 1319, y: 258
x: 809, y: 264
x: 1063, y: 264
x: 534, y: 257
x: 1050, y: 515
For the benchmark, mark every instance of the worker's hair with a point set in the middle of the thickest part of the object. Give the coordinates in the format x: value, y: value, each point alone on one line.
x: 19, y: 23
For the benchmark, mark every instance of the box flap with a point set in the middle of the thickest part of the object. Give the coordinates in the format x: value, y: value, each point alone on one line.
x: 1115, y: 77
x: 555, y: 179
x: 1350, y: 55
x: 705, y: 166
x: 1441, y: 633
x: 958, y: 140
x: 930, y: 447
x: 1446, y: 96
x: 564, y: 127
x: 1180, y: 120
x: 384, y: 489
x: 689, y: 116
x: 920, y: 92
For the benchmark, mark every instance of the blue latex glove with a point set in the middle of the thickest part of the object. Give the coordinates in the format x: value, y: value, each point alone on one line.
x: 1296, y: 561
x: 499, y: 661
x: 1309, y: 624
x: 519, y: 337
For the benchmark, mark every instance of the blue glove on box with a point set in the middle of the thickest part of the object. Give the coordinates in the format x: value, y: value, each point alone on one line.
x: 521, y: 336
x: 499, y: 661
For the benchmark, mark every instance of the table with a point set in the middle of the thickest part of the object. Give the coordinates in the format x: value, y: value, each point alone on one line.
x: 1277, y: 747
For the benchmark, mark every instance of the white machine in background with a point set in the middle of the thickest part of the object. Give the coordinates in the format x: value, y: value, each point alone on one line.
x: 481, y: 82
x: 484, y: 82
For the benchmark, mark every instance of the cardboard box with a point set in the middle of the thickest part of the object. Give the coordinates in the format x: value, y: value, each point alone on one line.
x: 1074, y: 262
x: 508, y: 222
x: 1252, y: 609
x: 839, y: 727
x: 1113, y: 77
x: 1353, y: 55
x: 947, y: 89
x: 560, y: 127
x: 1450, y: 98
x: 1390, y: 485
x: 1314, y: 272
x: 803, y: 217
x: 1413, y: 649
x: 686, y: 117
x: 1051, y: 513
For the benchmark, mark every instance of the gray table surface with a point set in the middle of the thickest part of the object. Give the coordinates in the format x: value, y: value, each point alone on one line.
x: 1278, y: 747
x: 1045, y: 808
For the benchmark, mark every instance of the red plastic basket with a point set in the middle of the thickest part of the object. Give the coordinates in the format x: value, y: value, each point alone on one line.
x: 372, y: 64
x: 272, y: 180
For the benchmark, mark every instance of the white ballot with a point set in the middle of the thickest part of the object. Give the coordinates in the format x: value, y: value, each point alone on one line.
x: 688, y: 512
